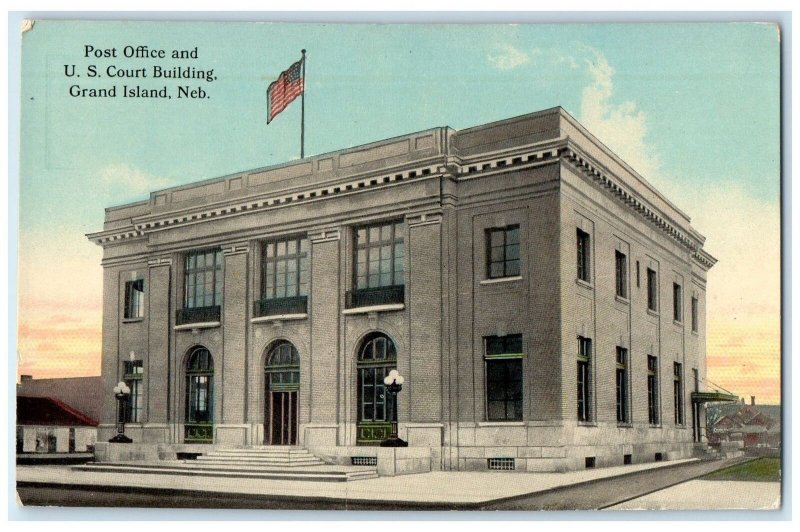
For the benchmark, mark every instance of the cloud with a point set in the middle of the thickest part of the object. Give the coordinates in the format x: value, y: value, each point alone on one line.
x: 742, y: 232
x: 133, y: 179
x: 621, y: 126
x: 509, y: 57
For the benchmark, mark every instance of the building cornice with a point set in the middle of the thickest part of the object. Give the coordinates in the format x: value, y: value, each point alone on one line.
x: 451, y: 166
x: 150, y: 223
x: 590, y: 168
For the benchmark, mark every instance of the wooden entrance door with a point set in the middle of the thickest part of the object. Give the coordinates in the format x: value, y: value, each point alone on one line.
x: 282, y: 424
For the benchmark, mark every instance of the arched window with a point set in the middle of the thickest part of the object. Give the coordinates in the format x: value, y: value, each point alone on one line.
x: 377, y: 356
x: 199, y: 396
x: 283, y: 366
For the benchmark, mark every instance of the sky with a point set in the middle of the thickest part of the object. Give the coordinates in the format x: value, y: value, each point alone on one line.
x: 694, y: 108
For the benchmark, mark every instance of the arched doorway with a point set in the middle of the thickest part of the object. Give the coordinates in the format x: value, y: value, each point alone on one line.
x: 199, y: 427
x: 282, y: 377
x: 377, y: 356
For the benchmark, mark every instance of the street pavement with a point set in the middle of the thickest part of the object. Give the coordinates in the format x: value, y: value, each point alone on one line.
x: 445, y: 490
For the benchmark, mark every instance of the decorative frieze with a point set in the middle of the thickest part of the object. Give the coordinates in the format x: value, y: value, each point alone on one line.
x: 328, y: 235
x: 159, y: 261
x: 431, y: 218
x: 236, y: 249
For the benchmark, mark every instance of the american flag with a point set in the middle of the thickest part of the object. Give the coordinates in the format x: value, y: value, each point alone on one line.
x: 284, y: 90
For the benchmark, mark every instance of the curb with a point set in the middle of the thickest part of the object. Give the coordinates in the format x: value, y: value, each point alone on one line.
x: 298, y: 500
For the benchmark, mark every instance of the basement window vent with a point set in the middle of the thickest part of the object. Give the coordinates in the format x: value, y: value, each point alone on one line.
x: 590, y: 462
x: 501, y: 464
x: 627, y: 459
x: 659, y: 457
x: 364, y: 460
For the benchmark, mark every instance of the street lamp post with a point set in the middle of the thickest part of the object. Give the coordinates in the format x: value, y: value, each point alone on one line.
x: 121, y: 392
x: 394, y: 383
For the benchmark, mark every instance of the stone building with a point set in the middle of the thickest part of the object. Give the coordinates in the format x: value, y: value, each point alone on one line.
x: 544, y: 302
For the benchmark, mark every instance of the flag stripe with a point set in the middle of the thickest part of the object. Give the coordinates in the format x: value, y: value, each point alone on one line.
x: 282, y: 91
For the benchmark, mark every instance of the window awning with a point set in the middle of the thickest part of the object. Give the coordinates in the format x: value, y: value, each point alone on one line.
x: 714, y: 397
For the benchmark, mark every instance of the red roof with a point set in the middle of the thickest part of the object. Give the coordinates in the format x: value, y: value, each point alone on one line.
x: 47, y: 411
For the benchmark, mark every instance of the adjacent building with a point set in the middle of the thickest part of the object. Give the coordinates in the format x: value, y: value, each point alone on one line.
x: 544, y: 302
x: 756, y: 426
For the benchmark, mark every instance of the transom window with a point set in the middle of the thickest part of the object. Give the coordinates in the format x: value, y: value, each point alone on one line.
x: 283, y: 366
x: 503, y: 252
x: 134, y: 370
x: 203, y: 279
x: 584, y: 378
x: 504, y: 377
x: 285, y: 268
x: 134, y: 299
x: 380, y: 255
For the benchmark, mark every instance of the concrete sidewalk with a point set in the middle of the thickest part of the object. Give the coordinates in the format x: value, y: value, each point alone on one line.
x: 443, y: 487
x: 710, y: 495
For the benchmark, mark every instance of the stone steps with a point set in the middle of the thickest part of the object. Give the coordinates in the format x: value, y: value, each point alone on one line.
x: 276, y: 463
x: 256, y: 462
x: 184, y: 469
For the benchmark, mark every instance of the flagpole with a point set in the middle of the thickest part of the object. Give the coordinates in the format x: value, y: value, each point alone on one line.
x: 303, y: 108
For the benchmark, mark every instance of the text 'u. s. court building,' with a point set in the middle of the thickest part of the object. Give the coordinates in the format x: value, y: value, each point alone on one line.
x: 544, y: 303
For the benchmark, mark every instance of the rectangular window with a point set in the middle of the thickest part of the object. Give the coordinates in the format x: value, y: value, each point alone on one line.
x: 694, y: 314
x: 677, y: 302
x: 502, y: 252
x: 652, y: 389
x: 584, y: 379
x: 379, y: 259
x: 134, y: 370
x: 504, y: 378
x: 202, y: 279
x: 134, y: 299
x: 622, y: 274
x: 583, y: 256
x: 677, y: 392
x: 622, y: 385
x: 652, y: 290
x: 284, y: 268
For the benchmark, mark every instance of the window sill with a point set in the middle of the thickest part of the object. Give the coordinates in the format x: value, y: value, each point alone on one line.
x: 587, y: 423
x: 279, y: 317
x: 584, y: 284
x: 623, y: 300
x: 374, y: 308
x: 678, y: 323
x: 501, y: 280
x: 501, y: 423
x: 655, y: 425
x: 132, y: 320
x: 695, y: 333
x: 624, y: 425
x: 652, y: 312
x: 200, y: 325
